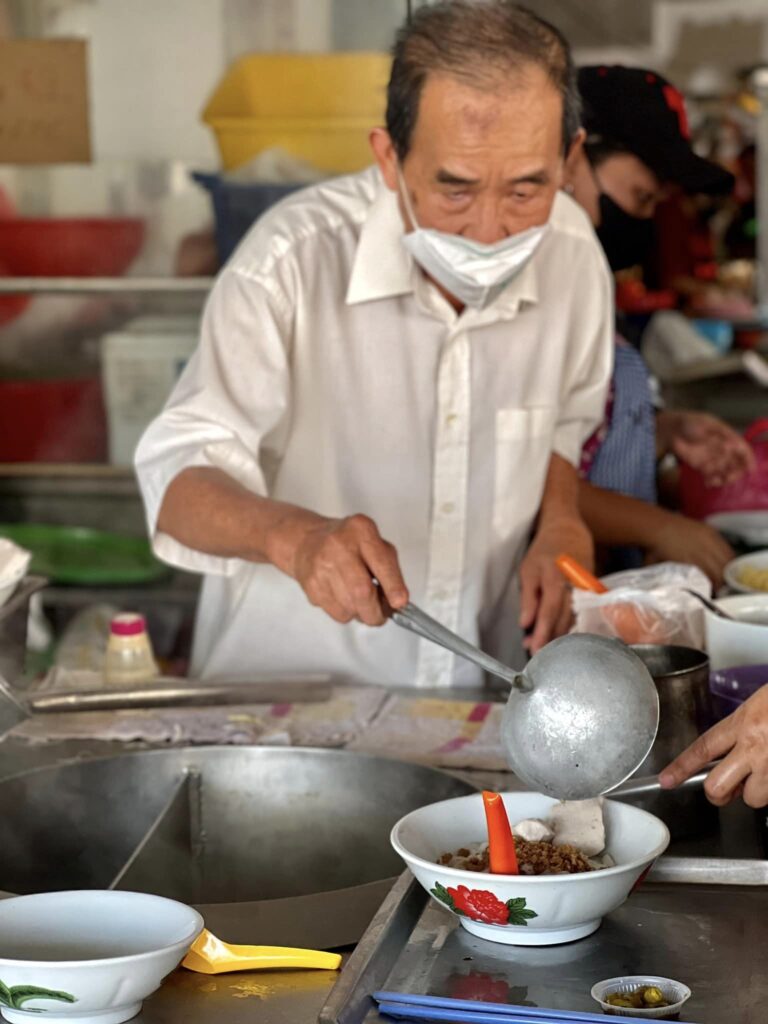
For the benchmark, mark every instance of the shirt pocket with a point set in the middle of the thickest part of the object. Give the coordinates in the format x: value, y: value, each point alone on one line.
x: 523, y: 446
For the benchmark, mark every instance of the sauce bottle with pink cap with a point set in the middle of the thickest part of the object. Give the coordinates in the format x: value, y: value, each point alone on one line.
x: 129, y: 657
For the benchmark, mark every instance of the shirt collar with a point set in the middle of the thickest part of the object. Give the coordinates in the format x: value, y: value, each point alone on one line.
x: 383, y: 267
x: 521, y: 290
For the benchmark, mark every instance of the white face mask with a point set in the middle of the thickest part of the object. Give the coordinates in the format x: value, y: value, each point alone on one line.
x: 473, y: 272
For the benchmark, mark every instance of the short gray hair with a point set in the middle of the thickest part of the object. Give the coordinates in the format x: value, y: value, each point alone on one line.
x: 475, y: 40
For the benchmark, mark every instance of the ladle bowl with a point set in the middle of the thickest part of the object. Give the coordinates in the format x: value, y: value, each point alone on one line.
x: 582, y: 717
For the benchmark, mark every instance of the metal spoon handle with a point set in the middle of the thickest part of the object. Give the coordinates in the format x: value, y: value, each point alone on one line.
x: 417, y: 621
x: 709, y: 604
x: 648, y: 784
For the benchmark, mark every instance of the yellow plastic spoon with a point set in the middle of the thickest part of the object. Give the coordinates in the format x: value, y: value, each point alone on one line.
x: 209, y: 955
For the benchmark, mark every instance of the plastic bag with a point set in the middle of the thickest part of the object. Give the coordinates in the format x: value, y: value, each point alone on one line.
x: 647, y: 606
x: 748, y: 493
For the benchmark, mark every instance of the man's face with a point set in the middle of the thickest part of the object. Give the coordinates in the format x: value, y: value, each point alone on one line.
x: 485, y: 164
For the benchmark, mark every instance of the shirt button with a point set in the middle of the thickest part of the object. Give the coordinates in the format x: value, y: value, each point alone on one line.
x: 450, y: 419
x: 448, y: 507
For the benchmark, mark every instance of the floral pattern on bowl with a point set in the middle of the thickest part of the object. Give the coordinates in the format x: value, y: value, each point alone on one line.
x: 15, y: 996
x: 481, y: 905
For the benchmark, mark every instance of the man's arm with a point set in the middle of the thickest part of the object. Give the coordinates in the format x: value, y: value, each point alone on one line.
x: 618, y: 520
x: 545, y: 605
x: 199, y: 464
x: 333, y: 560
x: 545, y: 600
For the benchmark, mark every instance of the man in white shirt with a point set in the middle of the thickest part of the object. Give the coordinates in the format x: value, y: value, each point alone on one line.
x: 416, y: 353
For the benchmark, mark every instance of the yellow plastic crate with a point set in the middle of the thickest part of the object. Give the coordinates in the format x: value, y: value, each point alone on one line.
x: 318, y: 107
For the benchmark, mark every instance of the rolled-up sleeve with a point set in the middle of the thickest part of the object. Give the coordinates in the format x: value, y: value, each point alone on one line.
x: 582, y: 402
x: 227, y: 408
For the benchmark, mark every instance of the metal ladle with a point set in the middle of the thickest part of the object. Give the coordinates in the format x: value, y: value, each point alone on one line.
x: 581, y: 717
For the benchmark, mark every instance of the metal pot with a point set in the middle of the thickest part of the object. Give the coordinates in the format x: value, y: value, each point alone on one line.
x: 681, y: 675
x: 282, y: 846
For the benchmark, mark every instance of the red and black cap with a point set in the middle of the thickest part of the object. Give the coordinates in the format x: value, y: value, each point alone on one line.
x: 645, y: 114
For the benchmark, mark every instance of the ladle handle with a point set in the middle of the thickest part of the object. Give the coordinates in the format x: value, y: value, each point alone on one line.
x: 647, y: 784
x: 417, y: 621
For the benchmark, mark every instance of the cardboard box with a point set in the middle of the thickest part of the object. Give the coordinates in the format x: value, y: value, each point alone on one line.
x: 44, y: 101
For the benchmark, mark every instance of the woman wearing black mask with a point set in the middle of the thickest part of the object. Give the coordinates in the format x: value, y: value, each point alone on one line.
x: 637, y: 147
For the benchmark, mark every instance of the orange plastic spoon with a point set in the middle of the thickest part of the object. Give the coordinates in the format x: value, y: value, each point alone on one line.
x: 578, y: 576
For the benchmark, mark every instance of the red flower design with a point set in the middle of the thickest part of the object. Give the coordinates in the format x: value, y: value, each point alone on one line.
x: 641, y: 878
x: 480, y: 905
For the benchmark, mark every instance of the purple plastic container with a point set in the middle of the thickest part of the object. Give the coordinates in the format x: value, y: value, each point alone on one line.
x: 732, y: 686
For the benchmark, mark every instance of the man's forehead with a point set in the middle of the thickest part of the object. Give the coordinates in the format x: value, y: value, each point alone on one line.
x: 478, y: 85
x: 450, y: 104
x: 456, y: 115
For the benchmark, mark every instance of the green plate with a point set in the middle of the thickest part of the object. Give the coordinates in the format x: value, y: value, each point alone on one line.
x: 73, y: 554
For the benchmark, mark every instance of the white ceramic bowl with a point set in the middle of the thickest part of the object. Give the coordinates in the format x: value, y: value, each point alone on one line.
x: 749, y: 527
x: 676, y: 994
x: 744, y: 642
x: 525, y: 910
x: 732, y: 571
x: 92, y: 955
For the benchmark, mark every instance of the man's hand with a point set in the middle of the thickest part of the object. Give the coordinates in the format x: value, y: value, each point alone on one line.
x: 679, y: 539
x: 706, y: 444
x: 742, y: 739
x: 545, y: 596
x: 335, y: 562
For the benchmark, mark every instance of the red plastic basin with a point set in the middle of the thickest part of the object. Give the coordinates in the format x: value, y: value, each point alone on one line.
x: 69, y: 246
x: 52, y: 421
x: 65, y: 247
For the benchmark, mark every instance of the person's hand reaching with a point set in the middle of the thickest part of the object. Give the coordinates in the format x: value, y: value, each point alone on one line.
x: 704, y: 443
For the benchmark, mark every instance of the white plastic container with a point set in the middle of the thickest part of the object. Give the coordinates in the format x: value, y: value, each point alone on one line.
x: 674, y: 992
x: 139, y: 368
x: 741, y: 642
x: 129, y: 657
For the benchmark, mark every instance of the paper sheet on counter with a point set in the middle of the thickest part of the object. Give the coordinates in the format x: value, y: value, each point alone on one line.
x: 331, y: 723
x: 440, y: 732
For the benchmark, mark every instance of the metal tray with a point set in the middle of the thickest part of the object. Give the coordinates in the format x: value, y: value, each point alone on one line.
x: 703, y: 921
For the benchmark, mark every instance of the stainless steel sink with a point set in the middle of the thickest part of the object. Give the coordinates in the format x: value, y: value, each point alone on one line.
x: 218, y: 827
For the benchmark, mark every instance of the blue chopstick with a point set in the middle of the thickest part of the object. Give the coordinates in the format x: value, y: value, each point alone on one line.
x: 440, y: 1008
x: 489, y: 1009
x: 407, y: 1011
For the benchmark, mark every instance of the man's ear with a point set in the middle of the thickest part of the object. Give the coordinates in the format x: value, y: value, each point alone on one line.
x: 572, y: 159
x: 385, y: 155
x: 573, y: 154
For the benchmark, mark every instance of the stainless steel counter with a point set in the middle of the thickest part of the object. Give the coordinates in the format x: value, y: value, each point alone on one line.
x: 263, y: 997
x: 296, y: 997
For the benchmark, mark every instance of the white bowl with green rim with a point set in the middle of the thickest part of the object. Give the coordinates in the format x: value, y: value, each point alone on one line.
x: 89, y: 956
